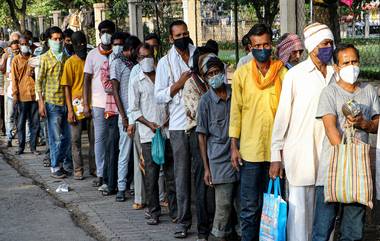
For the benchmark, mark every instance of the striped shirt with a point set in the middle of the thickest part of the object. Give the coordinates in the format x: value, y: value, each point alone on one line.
x: 49, y: 78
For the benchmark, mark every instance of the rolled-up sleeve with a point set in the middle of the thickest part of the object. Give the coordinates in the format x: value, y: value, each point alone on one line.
x: 282, y: 119
x: 162, y: 85
x: 236, y: 107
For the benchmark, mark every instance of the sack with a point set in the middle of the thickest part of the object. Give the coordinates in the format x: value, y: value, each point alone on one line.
x: 349, y: 177
x: 274, y: 214
x: 158, y: 148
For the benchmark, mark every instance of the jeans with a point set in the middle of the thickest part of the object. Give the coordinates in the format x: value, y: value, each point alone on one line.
x: 227, y: 197
x: 352, y: 224
x: 9, y: 118
x: 125, y: 148
x: 59, y: 137
x: 76, y: 146
x: 152, y: 173
x: 100, y: 139
x: 253, y: 183
x: 28, y: 111
x: 111, y: 153
x: 187, y: 159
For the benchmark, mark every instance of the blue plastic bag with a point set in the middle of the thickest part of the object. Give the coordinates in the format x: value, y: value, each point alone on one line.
x: 274, y: 214
x: 158, y: 148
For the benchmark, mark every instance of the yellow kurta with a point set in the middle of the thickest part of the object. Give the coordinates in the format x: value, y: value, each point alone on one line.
x: 252, y: 115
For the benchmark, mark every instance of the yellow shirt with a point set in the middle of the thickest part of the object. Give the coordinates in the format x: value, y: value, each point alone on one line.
x: 73, y: 76
x: 252, y: 116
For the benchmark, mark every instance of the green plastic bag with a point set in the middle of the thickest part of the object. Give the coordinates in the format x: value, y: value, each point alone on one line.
x: 158, y: 148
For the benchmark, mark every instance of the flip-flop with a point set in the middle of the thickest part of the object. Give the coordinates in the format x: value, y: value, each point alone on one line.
x: 180, y: 234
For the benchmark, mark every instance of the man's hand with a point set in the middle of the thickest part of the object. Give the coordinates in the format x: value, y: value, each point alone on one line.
x: 87, y: 111
x: 42, y: 109
x: 131, y: 131
x: 71, y: 117
x: 235, y: 158
x: 207, y: 178
x: 153, y: 126
x: 15, y: 101
x: 184, y: 77
x: 125, y: 124
x: 357, y: 121
x: 275, y: 170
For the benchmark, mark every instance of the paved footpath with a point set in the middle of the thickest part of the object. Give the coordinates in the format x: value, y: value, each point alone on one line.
x: 28, y: 213
x: 102, y: 217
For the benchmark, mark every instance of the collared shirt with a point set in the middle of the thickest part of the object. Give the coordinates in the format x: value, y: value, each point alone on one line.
x: 145, y: 105
x: 132, y: 78
x: 245, y: 59
x: 213, y: 121
x: 296, y: 132
x: 49, y: 78
x: 252, y: 114
x: 73, y: 76
x: 169, y: 70
x: 120, y: 71
x: 22, y: 82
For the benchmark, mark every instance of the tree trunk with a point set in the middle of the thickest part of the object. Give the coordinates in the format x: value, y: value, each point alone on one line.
x: 12, y: 11
x: 328, y: 14
x: 23, y: 23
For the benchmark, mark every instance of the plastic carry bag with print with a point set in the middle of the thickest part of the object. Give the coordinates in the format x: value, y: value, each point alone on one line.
x: 274, y: 214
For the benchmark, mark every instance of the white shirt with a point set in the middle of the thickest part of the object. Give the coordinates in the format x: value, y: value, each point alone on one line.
x: 169, y: 70
x: 131, y: 98
x: 145, y: 105
x: 296, y: 131
x: 245, y: 59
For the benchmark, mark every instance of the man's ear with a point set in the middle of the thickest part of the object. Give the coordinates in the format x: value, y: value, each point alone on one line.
x: 171, y: 40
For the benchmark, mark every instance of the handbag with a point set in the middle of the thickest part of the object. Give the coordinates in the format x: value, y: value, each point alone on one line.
x: 274, y: 214
x: 349, y: 177
x: 158, y: 148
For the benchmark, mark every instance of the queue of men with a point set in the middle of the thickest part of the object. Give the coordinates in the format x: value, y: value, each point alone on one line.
x: 279, y: 117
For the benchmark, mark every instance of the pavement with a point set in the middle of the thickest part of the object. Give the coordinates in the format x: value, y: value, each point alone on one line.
x: 29, y: 213
x: 101, y: 217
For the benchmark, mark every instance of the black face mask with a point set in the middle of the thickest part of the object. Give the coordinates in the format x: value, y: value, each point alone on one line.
x: 182, y: 43
x: 81, y: 51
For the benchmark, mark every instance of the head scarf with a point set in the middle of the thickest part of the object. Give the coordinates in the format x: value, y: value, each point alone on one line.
x: 314, y: 34
x: 206, y: 61
x: 289, y: 44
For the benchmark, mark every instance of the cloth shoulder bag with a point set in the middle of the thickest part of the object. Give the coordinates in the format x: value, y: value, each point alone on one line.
x: 349, y: 177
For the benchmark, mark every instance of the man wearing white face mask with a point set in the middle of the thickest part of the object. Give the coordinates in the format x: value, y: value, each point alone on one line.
x: 96, y: 66
x: 52, y: 104
x: 152, y: 116
x: 120, y: 72
x: 333, y: 97
x: 24, y: 95
x: 117, y: 40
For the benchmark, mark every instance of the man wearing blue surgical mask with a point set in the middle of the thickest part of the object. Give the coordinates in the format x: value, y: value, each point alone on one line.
x: 118, y: 40
x: 256, y: 88
x: 214, y: 144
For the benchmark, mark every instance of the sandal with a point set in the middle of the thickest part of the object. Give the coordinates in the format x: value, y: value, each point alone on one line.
x: 137, y: 206
x: 107, y: 192
x: 46, y: 162
x: 180, y: 234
